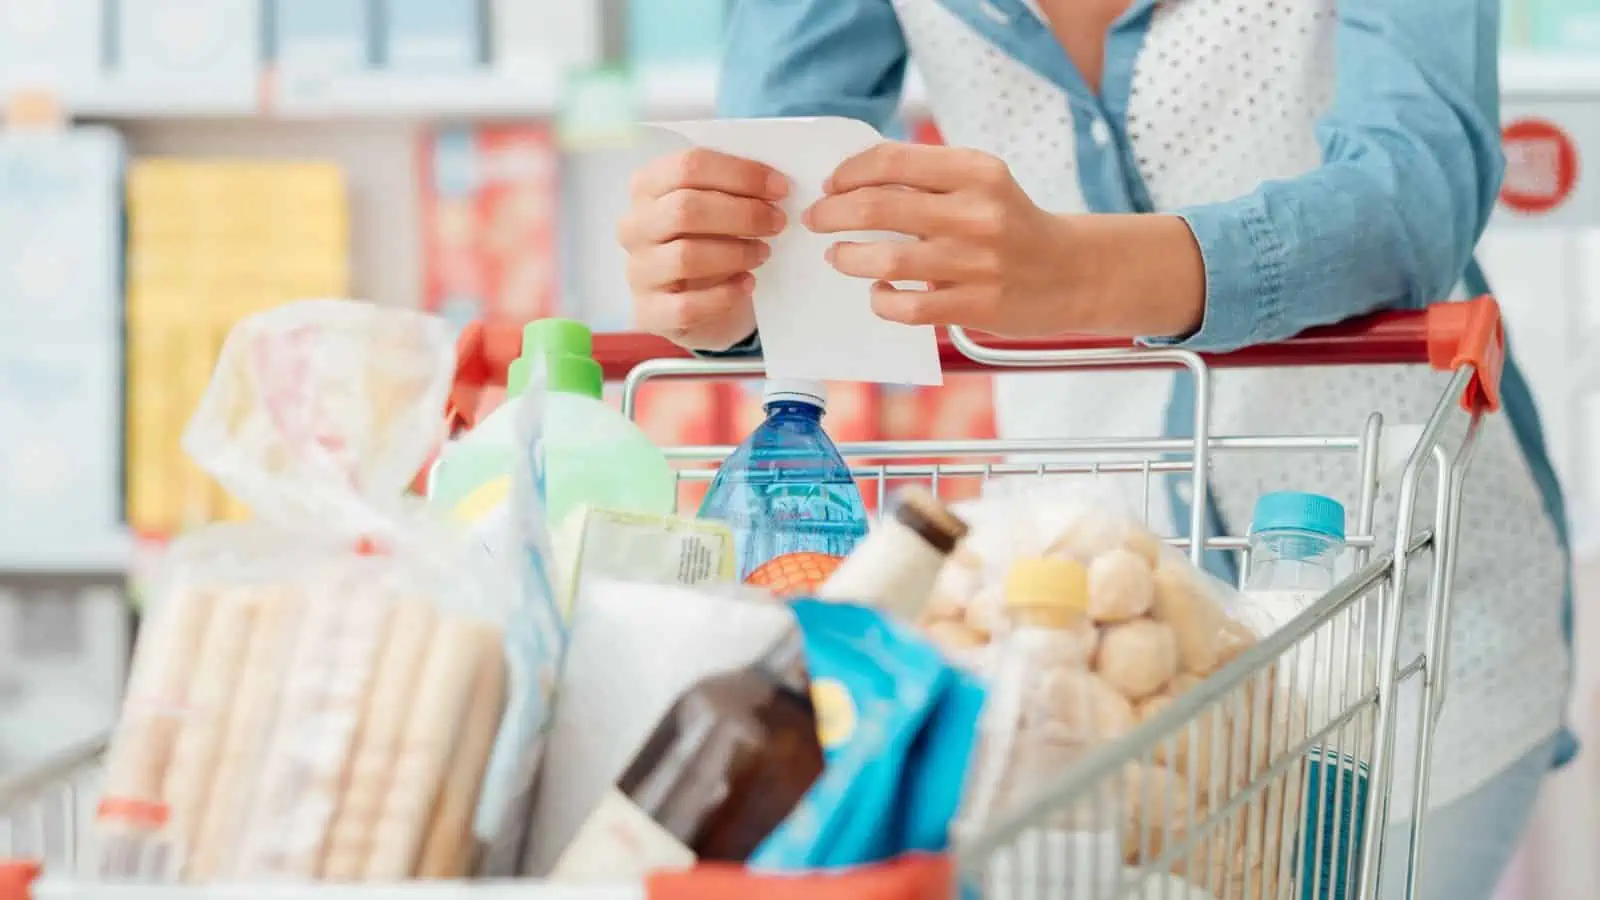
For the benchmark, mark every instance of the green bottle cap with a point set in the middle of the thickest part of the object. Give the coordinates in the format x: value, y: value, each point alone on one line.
x: 517, y: 376
x: 557, y: 336
x: 570, y: 374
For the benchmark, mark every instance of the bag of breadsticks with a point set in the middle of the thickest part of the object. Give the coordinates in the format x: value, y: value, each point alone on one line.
x: 1088, y: 629
x: 322, y: 692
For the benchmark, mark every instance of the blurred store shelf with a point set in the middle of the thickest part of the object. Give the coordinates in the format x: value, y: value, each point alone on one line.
x: 485, y: 94
x: 105, y: 554
x: 1545, y: 74
x: 136, y: 98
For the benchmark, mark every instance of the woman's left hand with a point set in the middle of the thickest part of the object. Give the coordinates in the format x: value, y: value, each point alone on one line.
x: 992, y: 259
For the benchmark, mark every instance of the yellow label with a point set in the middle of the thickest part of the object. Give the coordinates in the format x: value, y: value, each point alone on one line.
x: 484, y: 499
x: 836, y: 712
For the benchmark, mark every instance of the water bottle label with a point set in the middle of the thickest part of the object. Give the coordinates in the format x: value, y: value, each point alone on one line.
x: 1336, y: 815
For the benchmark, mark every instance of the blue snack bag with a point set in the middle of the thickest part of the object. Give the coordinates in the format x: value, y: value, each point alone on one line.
x: 935, y: 780
x: 896, y: 723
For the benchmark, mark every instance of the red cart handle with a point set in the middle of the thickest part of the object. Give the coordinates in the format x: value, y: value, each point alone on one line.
x: 1446, y: 336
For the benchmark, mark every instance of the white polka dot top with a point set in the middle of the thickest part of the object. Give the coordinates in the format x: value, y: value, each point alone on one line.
x: 1226, y: 95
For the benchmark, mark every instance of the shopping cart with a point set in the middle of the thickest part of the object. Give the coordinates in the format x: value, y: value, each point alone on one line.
x: 1277, y: 798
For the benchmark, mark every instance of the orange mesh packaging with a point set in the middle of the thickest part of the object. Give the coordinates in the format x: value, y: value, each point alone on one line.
x: 795, y: 574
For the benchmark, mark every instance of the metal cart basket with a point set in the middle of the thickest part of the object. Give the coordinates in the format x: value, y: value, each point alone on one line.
x: 1279, y: 798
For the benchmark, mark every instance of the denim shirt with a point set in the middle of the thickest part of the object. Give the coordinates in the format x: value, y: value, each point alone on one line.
x: 1411, y: 164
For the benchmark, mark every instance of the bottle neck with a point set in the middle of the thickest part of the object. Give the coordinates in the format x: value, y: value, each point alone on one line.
x: 794, y: 408
x: 1292, y: 559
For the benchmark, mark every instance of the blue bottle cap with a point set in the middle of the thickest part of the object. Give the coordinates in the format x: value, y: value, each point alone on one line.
x: 1295, y: 511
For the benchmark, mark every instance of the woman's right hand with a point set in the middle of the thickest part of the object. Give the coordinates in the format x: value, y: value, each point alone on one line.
x: 695, y: 232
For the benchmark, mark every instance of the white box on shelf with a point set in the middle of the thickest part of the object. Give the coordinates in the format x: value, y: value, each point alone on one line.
x: 61, y: 460
x: 51, y: 44
x: 60, y: 230
x: 167, y: 49
x: 323, y: 35
x: 433, y: 35
x: 545, y: 34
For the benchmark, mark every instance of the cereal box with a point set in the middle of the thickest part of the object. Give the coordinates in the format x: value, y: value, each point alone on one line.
x: 490, y: 223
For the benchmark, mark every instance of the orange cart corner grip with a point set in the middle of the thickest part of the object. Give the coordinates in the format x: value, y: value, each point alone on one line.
x: 1470, y: 333
x: 16, y: 877
x: 918, y: 877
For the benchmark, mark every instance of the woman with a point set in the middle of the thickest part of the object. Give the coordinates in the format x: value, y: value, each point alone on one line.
x: 1207, y: 174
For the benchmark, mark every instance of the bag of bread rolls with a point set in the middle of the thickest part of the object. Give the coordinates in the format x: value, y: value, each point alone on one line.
x: 319, y: 693
x: 1087, y: 627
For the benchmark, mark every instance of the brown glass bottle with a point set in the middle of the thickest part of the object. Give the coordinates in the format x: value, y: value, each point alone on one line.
x: 732, y: 758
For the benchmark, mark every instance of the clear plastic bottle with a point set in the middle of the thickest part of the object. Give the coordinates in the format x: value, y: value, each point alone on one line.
x: 787, y: 494
x: 1296, y: 541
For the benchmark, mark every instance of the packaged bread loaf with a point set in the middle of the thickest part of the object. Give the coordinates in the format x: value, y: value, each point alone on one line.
x: 1089, y: 630
x: 319, y: 693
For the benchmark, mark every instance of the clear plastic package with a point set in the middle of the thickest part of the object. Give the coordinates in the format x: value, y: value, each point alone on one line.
x: 1086, y: 627
x: 317, y: 693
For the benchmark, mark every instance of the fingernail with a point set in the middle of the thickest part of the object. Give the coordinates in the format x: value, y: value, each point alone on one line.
x: 807, y: 217
x: 775, y: 222
x: 830, y: 253
x: 763, y: 253
x: 778, y: 185
x: 827, y: 185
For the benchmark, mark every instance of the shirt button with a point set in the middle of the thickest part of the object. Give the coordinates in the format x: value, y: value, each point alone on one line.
x: 1100, y: 132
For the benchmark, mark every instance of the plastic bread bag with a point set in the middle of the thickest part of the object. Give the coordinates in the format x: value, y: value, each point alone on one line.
x: 317, y: 693
x: 1089, y: 628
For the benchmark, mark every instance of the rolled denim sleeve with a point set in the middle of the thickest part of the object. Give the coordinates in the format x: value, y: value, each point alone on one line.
x: 1411, y: 168
x: 811, y: 58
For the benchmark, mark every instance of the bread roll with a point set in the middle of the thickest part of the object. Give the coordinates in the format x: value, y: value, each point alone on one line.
x: 448, y: 850
x: 370, y: 776
x: 1195, y: 621
x: 326, y: 680
x: 168, y: 651
x: 1137, y: 658
x: 211, y: 703
x: 1121, y: 586
x: 437, y: 712
x: 254, y: 709
x: 1079, y: 703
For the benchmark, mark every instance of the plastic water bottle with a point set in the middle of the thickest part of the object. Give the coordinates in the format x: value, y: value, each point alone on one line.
x: 787, y: 494
x: 1296, y: 541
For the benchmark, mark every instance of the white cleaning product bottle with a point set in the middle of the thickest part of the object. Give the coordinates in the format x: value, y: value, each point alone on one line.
x: 591, y: 454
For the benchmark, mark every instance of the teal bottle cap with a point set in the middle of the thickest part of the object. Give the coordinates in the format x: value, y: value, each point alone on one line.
x: 570, y: 374
x: 1295, y: 511
x: 557, y: 336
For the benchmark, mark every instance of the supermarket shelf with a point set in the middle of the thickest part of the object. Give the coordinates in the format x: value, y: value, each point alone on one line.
x: 136, y: 98
x: 106, y: 554
x: 1527, y: 74
x: 663, y: 95
x: 468, y: 95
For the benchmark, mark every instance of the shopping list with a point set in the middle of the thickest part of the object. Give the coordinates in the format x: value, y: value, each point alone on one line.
x: 815, y: 322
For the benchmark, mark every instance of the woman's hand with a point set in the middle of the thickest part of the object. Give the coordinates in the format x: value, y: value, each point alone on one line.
x: 996, y: 262
x: 694, y: 233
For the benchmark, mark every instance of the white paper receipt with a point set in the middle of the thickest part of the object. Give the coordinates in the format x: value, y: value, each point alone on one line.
x: 815, y: 322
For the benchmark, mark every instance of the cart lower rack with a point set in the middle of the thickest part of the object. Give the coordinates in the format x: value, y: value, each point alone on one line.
x: 1254, y: 820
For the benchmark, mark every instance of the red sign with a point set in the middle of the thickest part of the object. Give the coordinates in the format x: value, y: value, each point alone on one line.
x: 1541, y: 166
